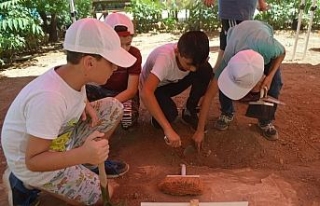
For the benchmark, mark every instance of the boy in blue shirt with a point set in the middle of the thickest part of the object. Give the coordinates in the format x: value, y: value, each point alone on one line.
x: 251, y: 53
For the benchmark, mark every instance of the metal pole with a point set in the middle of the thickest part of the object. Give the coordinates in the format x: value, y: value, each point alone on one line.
x: 72, y: 11
x: 301, y: 8
x: 312, y: 10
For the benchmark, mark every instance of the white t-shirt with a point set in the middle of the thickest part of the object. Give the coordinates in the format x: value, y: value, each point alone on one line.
x: 162, y: 63
x: 43, y: 108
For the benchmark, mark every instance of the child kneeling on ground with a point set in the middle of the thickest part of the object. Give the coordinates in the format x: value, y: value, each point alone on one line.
x: 51, y: 129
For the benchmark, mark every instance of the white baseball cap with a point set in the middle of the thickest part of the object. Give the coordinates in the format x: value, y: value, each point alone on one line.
x: 119, y: 19
x: 91, y: 36
x: 243, y: 72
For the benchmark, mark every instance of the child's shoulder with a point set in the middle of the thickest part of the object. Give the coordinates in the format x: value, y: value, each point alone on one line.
x: 166, y: 48
x: 134, y: 50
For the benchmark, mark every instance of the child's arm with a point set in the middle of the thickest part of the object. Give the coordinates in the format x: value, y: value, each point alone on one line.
x: 133, y: 78
x: 204, y: 111
x: 39, y: 158
x: 132, y: 89
x: 89, y: 110
x: 262, y: 5
x: 208, y: 3
x: 275, y: 65
x: 152, y: 105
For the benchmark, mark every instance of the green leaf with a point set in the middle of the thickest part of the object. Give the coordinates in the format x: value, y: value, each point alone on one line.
x: 9, y: 21
x: 3, y: 25
x: 15, y: 24
x: 8, y: 4
x: 33, y: 28
x: 21, y: 23
x: 39, y: 30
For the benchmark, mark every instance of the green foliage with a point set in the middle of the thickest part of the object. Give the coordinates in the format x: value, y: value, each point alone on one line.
x: 284, y: 14
x: 8, y: 4
x: 19, y: 25
x: 83, y: 8
x: 19, y: 29
x: 11, y: 42
x: 23, y: 23
x: 20, y: 20
x: 202, y: 17
x: 146, y: 14
x: 49, y: 9
x: 49, y: 6
x: 281, y: 15
x: 61, y: 8
x: 17, y: 19
x: 169, y: 24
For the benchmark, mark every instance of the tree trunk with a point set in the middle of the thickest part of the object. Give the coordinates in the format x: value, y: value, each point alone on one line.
x: 44, y: 18
x: 53, y: 32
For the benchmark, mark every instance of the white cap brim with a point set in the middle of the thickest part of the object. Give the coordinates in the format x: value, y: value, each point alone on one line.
x: 119, y: 57
x: 229, y: 88
x: 243, y: 72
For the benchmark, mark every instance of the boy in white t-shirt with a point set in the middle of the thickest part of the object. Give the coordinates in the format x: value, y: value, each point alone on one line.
x: 169, y: 70
x: 51, y: 130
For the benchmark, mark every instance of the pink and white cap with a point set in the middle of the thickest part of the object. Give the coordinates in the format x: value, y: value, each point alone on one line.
x: 243, y: 72
x: 119, y: 19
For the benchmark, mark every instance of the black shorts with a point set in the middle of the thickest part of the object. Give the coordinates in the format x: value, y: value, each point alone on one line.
x: 226, y: 24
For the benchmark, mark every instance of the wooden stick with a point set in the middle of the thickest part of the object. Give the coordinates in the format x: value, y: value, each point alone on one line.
x: 104, y: 184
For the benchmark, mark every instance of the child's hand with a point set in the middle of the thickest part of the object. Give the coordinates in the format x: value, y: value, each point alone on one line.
x: 208, y: 3
x: 266, y: 83
x: 198, y: 139
x: 263, y: 6
x: 95, y: 148
x: 172, y: 138
x: 89, y: 110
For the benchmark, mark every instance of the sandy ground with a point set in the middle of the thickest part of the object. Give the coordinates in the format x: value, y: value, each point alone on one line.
x: 235, y: 165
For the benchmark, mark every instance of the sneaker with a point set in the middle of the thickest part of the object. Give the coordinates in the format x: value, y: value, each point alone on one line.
x: 154, y: 123
x: 113, y: 168
x: 268, y: 131
x: 127, y: 126
x: 190, y: 119
x: 18, y: 193
x: 223, y: 122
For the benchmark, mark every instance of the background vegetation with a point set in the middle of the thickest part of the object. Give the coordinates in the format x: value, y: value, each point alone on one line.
x: 27, y: 25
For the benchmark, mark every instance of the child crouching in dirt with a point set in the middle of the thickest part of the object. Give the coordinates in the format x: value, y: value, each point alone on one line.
x: 252, y: 54
x: 123, y: 84
x: 169, y: 70
x: 47, y: 136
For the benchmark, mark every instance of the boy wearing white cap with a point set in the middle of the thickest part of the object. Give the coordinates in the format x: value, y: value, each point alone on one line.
x: 123, y: 84
x: 251, y: 53
x: 51, y: 130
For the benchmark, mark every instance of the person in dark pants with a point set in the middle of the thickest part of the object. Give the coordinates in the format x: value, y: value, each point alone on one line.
x: 252, y: 55
x: 169, y: 70
x: 231, y: 13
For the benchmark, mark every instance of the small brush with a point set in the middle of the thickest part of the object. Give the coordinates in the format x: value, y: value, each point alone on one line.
x: 261, y: 109
x: 182, y: 184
